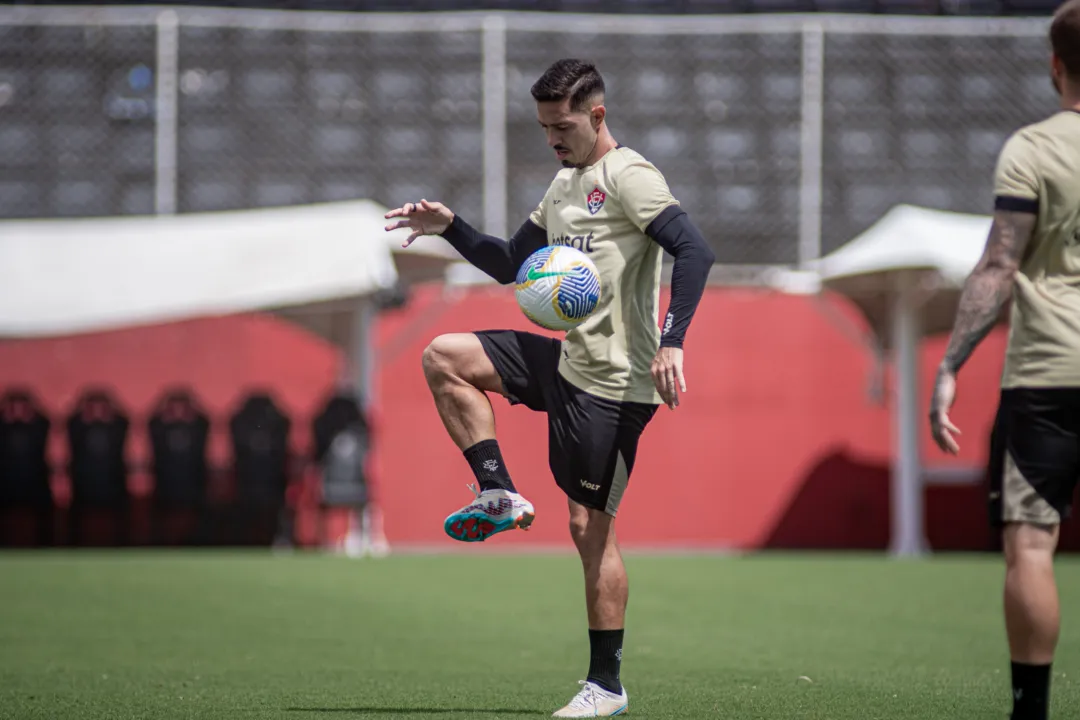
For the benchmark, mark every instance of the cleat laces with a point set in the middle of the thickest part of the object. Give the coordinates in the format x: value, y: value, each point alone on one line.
x: 586, y: 699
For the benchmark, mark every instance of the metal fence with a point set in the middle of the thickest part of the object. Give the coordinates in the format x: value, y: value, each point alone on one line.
x: 783, y: 136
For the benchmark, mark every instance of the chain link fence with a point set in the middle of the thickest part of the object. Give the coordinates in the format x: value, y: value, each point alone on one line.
x: 292, y: 111
x: 270, y: 118
x: 921, y: 120
x: 76, y: 120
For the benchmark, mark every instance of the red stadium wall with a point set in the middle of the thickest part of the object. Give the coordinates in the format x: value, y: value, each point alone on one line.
x: 776, y: 445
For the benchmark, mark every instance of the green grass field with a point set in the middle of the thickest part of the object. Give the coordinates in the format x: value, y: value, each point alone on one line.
x: 145, y: 634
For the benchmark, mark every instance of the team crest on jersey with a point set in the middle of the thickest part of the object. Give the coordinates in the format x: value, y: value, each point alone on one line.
x: 595, y: 200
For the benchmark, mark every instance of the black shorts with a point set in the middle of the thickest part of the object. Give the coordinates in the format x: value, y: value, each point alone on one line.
x: 1035, y: 456
x: 592, y: 441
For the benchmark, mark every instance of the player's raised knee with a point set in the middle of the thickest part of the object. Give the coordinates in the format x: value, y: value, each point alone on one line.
x: 437, y: 358
x: 452, y: 355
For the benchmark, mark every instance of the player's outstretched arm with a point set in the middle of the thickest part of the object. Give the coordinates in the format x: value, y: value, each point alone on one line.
x: 987, y: 289
x: 673, y: 231
x: 496, y: 257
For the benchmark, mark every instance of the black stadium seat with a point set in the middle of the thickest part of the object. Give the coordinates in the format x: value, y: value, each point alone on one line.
x: 342, y: 440
x: 97, y: 439
x: 26, y: 498
x: 261, y: 468
x: 179, y: 433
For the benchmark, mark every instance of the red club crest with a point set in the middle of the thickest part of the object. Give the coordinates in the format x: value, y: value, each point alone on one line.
x: 595, y: 200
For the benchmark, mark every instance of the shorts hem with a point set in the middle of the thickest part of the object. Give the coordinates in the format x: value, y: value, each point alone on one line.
x: 496, y: 363
x: 1004, y: 519
x: 591, y: 504
x: 1001, y: 523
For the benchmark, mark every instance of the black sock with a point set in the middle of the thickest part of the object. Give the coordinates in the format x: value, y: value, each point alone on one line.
x: 605, y: 659
x: 1031, y: 691
x: 487, y: 465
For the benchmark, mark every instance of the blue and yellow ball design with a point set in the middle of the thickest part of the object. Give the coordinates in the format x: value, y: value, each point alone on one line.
x: 558, y: 287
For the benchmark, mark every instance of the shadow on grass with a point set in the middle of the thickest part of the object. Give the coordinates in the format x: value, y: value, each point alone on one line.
x: 419, y: 710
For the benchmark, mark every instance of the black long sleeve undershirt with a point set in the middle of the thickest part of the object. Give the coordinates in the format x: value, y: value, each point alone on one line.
x: 673, y: 231
x: 496, y: 257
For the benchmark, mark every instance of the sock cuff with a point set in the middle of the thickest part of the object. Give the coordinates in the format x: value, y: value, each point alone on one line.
x: 484, y: 447
x: 608, y: 633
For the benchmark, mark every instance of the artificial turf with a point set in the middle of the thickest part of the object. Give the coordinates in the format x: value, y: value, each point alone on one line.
x: 214, y: 634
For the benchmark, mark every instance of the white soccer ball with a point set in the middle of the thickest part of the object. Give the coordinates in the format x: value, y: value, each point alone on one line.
x: 558, y: 287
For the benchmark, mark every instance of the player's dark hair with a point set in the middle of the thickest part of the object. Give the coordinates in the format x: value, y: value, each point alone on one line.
x: 1065, y: 37
x: 568, y: 78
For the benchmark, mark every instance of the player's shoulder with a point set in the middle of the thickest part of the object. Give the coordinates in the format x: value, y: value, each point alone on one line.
x: 623, y: 158
x: 1061, y: 126
x: 624, y: 166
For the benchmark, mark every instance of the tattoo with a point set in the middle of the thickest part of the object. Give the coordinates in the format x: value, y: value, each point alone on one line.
x: 989, y: 286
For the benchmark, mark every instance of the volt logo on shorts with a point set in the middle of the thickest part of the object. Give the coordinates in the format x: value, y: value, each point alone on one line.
x: 589, y: 486
x: 534, y: 274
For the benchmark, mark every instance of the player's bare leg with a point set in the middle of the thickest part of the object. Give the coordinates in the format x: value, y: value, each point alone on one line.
x: 606, y: 594
x: 606, y: 585
x: 1032, y: 614
x: 459, y: 374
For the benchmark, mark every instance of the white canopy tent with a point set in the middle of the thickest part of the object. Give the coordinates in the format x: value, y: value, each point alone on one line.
x: 905, y: 274
x: 88, y: 274
x: 318, y: 265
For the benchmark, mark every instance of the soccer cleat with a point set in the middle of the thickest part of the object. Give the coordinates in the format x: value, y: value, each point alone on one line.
x: 594, y: 701
x: 491, y: 512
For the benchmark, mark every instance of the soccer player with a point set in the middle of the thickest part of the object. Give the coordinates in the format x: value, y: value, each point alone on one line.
x: 603, y: 383
x: 1033, y: 257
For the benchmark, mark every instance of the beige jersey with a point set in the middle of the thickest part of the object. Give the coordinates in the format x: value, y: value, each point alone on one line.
x: 603, y: 210
x: 1039, y: 170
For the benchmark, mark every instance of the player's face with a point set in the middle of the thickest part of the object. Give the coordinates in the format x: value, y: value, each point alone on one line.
x: 571, y: 134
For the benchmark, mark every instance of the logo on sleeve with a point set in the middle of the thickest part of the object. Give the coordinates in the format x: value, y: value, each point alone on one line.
x: 595, y: 200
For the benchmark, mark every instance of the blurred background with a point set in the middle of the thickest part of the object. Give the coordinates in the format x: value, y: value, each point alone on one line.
x: 206, y: 338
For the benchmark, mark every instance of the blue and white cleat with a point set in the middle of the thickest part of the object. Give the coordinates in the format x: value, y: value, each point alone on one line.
x: 493, y: 511
x: 594, y: 701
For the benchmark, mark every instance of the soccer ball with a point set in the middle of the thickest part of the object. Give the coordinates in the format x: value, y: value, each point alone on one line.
x: 558, y: 287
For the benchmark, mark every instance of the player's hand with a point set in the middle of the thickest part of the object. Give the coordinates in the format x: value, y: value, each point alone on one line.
x: 423, y: 218
x: 940, y: 404
x: 667, y: 374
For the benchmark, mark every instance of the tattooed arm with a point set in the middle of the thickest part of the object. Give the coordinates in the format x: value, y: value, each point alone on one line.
x: 989, y: 286
x: 985, y: 293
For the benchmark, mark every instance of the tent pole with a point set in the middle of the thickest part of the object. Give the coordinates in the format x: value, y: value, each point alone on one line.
x: 358, y: 371
x: 359, y: 377
x: 906, y: 482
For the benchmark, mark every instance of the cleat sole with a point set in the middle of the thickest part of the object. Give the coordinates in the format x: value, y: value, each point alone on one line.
x: 477, y: 527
